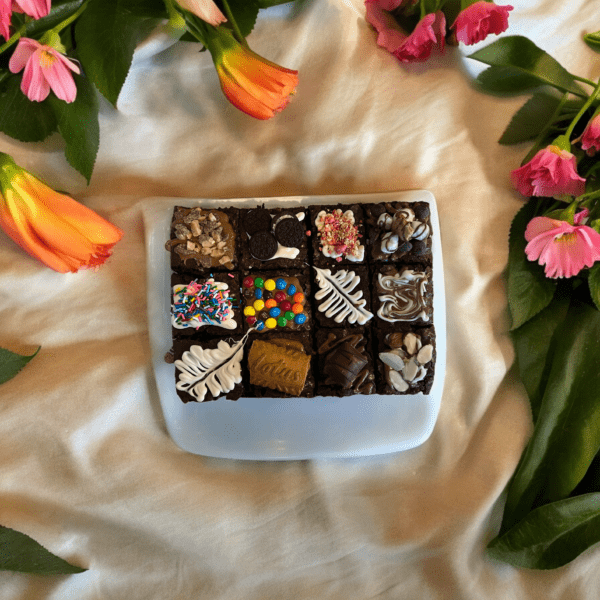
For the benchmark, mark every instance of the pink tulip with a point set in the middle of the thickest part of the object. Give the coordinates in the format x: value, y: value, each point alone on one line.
x: 478, y: 20
x: 45, y: 68
x: 563, y: 248
x: 590, y: 140
x: 207, y: 10
x: 34, y: 8
x: 551, y: 172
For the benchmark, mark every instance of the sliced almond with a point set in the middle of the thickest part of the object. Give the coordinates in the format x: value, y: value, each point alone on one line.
x: 397, y: 382
x: 425, y: 354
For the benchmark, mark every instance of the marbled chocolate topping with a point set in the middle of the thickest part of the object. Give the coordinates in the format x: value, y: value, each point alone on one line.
x: 403, y: 296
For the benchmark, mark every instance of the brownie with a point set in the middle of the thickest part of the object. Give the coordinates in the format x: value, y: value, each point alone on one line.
x: 338, y: 235
x: 341, y: 296
x: 273, y: 239
x: 203, y: 240
x: 402, y: 294
x: 212, y: 368
x: 280, y: 365
x: 276, y: 301
x: 405, y: 360
x: 398, y: 232
x: 344, y: 362
x: 211, y: 307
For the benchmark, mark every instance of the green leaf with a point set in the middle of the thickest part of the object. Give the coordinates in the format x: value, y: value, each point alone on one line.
x: 530, y: 119
x: 18, y: 552
x: 78, y: 124
x: 552, y: 535
x: 245, y: 13
x: 11, y: 363
x: 591, y: 479
x: 522, y: 55
x: 593, y: 40
x: 152, y: 9
x: 61, y: 10
x: 268, y: 3
x: 22, y: 119
x: 534, y: 345
x: 594, y: 283
x: 107, y: 34
x: 566, y: 436
x: 505, y: 80
x: 529, y: 290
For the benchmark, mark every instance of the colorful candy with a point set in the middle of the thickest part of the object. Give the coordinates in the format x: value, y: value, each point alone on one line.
x: 297, y: 309
x: 258, y: 305
x: 270, y: 285
x: 271, y: 323
x: 249, y: 311
x: 281, y: 283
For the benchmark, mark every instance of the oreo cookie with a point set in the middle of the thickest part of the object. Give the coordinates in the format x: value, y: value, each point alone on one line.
x: 289, y: 232
x: 258, y: 219
x: 262, y: 245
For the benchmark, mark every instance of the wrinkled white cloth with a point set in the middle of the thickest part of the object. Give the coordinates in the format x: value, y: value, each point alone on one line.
x: 86, y: 465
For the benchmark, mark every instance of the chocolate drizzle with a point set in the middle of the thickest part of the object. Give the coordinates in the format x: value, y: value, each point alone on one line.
x: 403, y: 295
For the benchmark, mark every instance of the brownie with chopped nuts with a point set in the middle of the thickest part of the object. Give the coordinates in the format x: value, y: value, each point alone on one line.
x: 405, y: 360
x: 273, y: 238
x: 203, y: 240
x: 338, y: 235
x: 213, y: 363
x: 206, y: 305
x: 344, y: 362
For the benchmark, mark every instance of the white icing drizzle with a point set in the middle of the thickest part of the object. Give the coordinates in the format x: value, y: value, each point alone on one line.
x: 343, y: 302
x: 196, y: 323
x: 287, y: 251
x: 403, y: 296
x: 217, y: 370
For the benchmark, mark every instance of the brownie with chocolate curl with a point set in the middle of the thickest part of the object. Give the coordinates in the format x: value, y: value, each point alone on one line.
x: 212, y: 310
x: 203, y: 240
x: 338, y: 235
x: 210, y: 369
x: 344, y: 362
x: 405, y: 360
x: 280, y: 365
x: 273, y: 238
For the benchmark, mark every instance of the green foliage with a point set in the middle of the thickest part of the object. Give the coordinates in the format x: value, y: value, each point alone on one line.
x: 107, y: 34
x: 505, y: 80
x: 245, y: 13
x: 593, y: 40
x: 522, y: 56
x: 61, y: 10
x: 552, y: 535
x: 78, y: 124
x: 11, y: 363
x: 18, y: 552
x: 594, y: 283
x: 529, y: 290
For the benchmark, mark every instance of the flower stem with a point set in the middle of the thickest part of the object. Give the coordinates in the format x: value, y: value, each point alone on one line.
x: 13, y: 39
x: 584, y: 80
x: 236, y: 30
x: 72, y: 18
x: 581, y: 112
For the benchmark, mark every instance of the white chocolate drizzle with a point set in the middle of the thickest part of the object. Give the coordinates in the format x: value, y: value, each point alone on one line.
x: 402, y: 296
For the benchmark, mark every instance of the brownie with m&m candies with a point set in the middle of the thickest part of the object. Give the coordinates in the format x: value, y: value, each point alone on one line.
x: 205, y: 306
x: 276, y: 301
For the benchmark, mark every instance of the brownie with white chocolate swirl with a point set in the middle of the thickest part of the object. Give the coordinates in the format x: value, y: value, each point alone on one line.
x: 399, y: 231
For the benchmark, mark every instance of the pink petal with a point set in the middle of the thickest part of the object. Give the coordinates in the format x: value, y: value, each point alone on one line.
x: 477, y: 21
x: 61, y: 81
x: 34, y: 8
x: 390, y: 35
x: 539, y: 225
x: 207, y: 10
x: 23, y: 52
x: 388, y: 5
x: 68, y: 63
x: 5, y: 17
x: 580, y: 216
x: 34, y: 84
x: 591, y: 135
x: 421, y: 41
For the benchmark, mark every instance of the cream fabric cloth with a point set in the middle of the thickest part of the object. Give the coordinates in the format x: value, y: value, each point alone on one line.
x: 86, y: 465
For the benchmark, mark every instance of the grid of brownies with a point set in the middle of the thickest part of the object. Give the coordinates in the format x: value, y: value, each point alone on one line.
x: 318, y: 300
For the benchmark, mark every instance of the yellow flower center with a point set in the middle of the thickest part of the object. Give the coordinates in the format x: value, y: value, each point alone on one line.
x: 46, y: 59
x: 566, y: 238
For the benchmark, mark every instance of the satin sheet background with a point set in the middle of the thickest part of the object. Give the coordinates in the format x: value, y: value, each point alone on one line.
x: 86, y: 465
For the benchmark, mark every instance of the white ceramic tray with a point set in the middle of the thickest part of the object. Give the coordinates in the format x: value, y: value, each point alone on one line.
x: 287, y: 429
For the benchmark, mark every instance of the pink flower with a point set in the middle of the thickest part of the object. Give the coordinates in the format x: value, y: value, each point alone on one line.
x: 207, y: 10
x: 590, y: 140
x: 551, y: 172
x: 564, y: 248
x: 429, y: 32
x: 477, y: 21
x: 45, y: 68
x: 34, y: 8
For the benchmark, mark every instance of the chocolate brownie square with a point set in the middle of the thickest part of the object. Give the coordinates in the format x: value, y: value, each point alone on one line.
x: 338, y: 235
x: 402, y: 294
x: 202, y: 307
x: 280, y: 365
x: 398, y: 232
x: 210, y: 369
x: 276, y: 301
x: 273, y: 238
x: 405, y: 360
x: 342, y: 296
x: 344, y: 362
x: 203, y: 240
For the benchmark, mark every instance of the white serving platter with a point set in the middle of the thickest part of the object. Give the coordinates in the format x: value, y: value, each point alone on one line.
x: 287, y: 428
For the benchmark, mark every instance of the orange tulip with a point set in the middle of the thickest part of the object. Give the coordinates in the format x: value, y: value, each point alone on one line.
x: 251, y: 83
x: 52, y: 227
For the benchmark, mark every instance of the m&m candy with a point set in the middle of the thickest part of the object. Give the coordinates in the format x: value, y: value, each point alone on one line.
x: 271, y: 302
x: 282, y: 321
x: 270, y: 285
x: 258, y: 305
x: 260, y: 325
x: 271, y: 323
x: 279, y: 296
x: 297, y: 309
x: 281, y: 283
x: 298, y: 297
x: 259, y: 282
x: 300, y: 318
x: 251, y: 320
x: 258, y: 293
x: 285, y: 306
x: 275, y: 312
x: 291, y: 290
x: 248, y: 282
x: 249, y: 311
x: 289, y: 315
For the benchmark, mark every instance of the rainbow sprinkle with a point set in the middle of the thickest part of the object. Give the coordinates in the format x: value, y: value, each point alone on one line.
x: 203, y: 302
